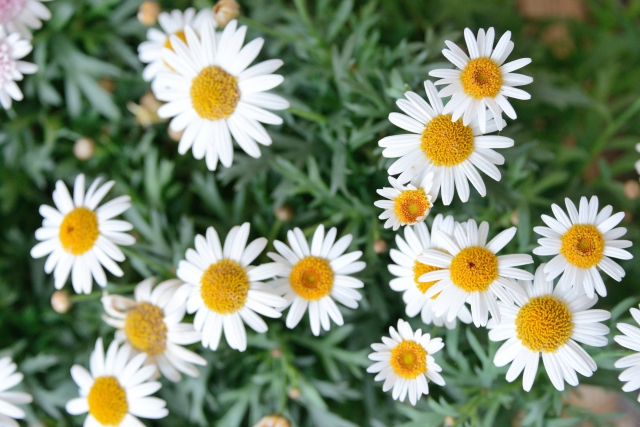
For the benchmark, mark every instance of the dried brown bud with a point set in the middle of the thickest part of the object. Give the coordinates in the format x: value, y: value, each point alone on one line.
x: 449, y: 421
x: 107, y: 84
x: 274, y: 420
x: 379, y: 246
x: 631, y: 189
x: 148, y: 13
x: 224, y: 11
x: 284, y: 213
x: 294, y: 393
x: 60, y: 301
x: 514, y: 218
x: 276, y: 353
x: 84, y: 148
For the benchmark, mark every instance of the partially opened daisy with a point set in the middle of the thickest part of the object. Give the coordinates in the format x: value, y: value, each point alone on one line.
x: 449, y: 149
x: 409, y: 269
x: 12, y: 49
x: 631, y: 340
x: 9, y: 378
x: 225, y: 290
x: 150, y: 324
x: 81, y: 237
x: 117, y: 390
x: 406, y: 205
x: 213, y: 96
x: 315, y: 277
x: 405, y: 362
x: 547, y: 323
x: 471, y: 271
x: 18, y: 16
x: 482, y: 80
x: 582, y: 241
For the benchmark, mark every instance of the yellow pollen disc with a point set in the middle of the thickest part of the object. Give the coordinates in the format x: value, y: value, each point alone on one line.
x: 180, y: 34
x: 145, y: 328
x: 481, y: 78
x: 418, y: 270
x: 544, y: 324
x: 79, y: 231
x: 108, y: 401
x: 214, y: 93
x: 409, y: 359
x: 312, y: 278
x: 446, y: 143
x: 410, y: 205
x: 583, y: 245
x: 474, y: 269
x: 225, y: 285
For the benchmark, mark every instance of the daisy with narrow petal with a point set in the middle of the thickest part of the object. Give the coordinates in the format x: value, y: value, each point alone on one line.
x: 317, y: 276
x: 472, y: 272
x: 582, y: 241
x: 406, y: 205
x: 150, y: 324
x: 80, y: 237
x: 212, y: 95
x: 9, y: 378
x: 631, y: 340
x: 12, y: 49
x: 408, y: 269
x: 450, y: 150
x: 18, y: 16
x: 482, y: 80
x: 117, y: 390
x: 225, y: 290
x: 548, y: 322
x: 404, y: 362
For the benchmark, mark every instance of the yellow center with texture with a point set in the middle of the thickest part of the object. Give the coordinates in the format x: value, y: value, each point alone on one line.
x: 481, y: 78
x: 180, y: 34
x: 108, y: 401
x: 418, y: 270
x: 145, y: 328
x: 312, y: 278
x: 474, y: 268
x: 544, y: 324
x: 410, y: 205
x: 214, y: 93
x: 408, y: 359
x: 446, y: 143
x: 79, y: 231
x: 224, y: 287
x: 583, y: 245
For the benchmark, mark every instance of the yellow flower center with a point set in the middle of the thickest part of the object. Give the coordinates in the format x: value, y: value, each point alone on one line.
x: 79, y: 231
x: 446, y: 143
x: 418, y: 270
x: 409, y: 359
x: 312, y: 278
x: 145, y: 328
x: 481, y: 78
x: 583, y: 245
x: 225, y: 285
x: 214, y: 93
x: 474, y: 269
x: 108, y: 401
x: 180, y: 34
x: 544, y: 324
x: 410, y: 205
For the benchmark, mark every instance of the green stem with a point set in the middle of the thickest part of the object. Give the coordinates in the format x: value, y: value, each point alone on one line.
x: 111, y: 288
x: 159, y: 267
x: 266, y: 30
x: 314, y: 117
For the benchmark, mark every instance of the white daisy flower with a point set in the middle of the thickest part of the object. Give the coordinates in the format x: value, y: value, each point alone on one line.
x: 449, y: 149
x: 224, y: 290
x: 117, y: 390
x: 212, y: 95
x: 409, y: 269
x: 9, y: 378
x: 581, y: 242
x: 13, y: 48
x: 18, y: 16
x: 471, y: 271
x: 82, y: 237
x: 406, y: 205
x: 316, y: 277
x: 405, y: 362
x: 630, y: 340
x: 150, y: 324
x: 484, y: 81
x: 548, y: 322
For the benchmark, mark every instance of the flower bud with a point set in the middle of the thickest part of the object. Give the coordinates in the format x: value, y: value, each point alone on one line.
x: 631, y: 189
x: 284, y: 213
x: 224, y: 11
x: 84, y: 148
x: 60, y: 301
x: 148, y: 13
x: 294, y: 393
x: 379, y: 246
x: 274, y: 420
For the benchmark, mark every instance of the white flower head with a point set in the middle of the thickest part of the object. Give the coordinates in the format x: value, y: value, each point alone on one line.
x: 631, y: 340
x: 482, y: 80
x: 9, y: 378
x: 12, y: 49
x: 406, y: 205
x: 18, y: 16
x: 80, y: 237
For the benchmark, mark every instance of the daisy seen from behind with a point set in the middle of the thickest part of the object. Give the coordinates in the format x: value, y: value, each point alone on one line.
x: 314, y: 277
x: 12, y: 49
x: 19, y: 16
x: 81, y: 237
x: 451, y: 150
x: 406, y: 205
x: 9, y: 378
x: 631, y: 340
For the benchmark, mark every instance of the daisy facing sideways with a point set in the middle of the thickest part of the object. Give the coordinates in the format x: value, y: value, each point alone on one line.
x: 449, y: 149
x: 631, y: 340
x: 18, y: 16
x: 582, y: 241
x: 404, y: 362
x: 150, y: 324
x: 315, y: 277
x: 80, y: 237
x: 549, y: 323
x: 406, y: 205
x: 12, y: 49
x: 9, y: 378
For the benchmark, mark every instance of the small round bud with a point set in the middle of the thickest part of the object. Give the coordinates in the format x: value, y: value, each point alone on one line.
x: 148, y: 13
x: 284, y: 213
x: 514, y: 218
x: 632, y: 189
x: 224, y: 11
x: 84, y: 148
x: 175, y: 135
x: 150, y: 102
x: 60, y: 301
x: 379, y: 246
x: 276, y: 353
x: 449, y: 420
x: 274, y: 420
x: 294, y: 393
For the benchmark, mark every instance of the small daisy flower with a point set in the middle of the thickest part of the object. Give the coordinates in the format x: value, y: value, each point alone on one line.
x: 81, y: 237
x: 471, y: 271
x: 405, y: 362
x: 212, y: 95
x: 150, y: 324
x: 18, y: 16
x: 449, y: 149
x: 630, y: 340
x: 224, y: 290
x: 483, y: 80
x: 13, y: 48
x: 408, y: 204
x: 117, y: 390
x: 581, y: 242
x: 316, y: 277
x: 548, y: 322
x: 409, y: 269
x: 8, y: 399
